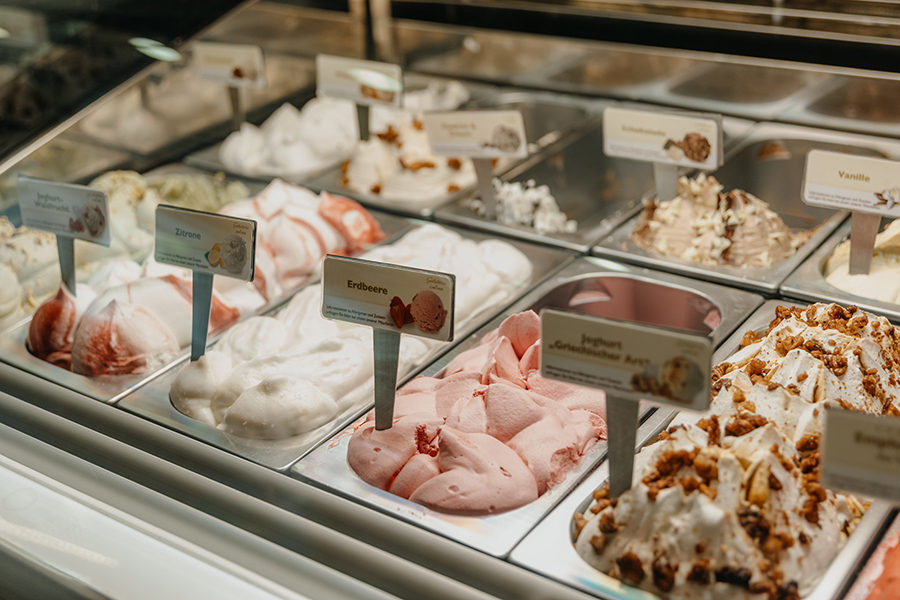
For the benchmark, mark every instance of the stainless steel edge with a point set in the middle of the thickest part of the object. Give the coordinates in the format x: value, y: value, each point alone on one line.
x: 497, y: 534
x: 342, y: 535
x: 808, y: 283
x: 114, y: 388
x: 152, y: 401
x: 549, y: 549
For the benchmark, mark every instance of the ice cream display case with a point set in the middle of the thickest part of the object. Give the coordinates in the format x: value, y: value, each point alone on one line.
x: 336, y: 359
x: 462, y: 502
x: 768, y: 163
x: 556, y: 548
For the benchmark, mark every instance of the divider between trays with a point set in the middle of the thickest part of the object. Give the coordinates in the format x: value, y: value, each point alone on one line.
x: 549, y: 548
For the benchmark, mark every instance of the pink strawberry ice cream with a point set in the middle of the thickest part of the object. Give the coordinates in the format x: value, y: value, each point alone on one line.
x: 428, y: 311
x: 488, y: 435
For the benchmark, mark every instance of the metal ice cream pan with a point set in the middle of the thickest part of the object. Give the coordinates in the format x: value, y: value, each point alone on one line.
x: 498, y: 57
x: 769, y: 164
x: 753, y: 90
x: 863, y: 104
x: 587, y: 285
x: 152, y: 401
x: 208, y: 158
x: 808, y: 281
x: 114, y: 388
x: 598, y: 191
x: 549, y: 119
x: 549, y: 548
x: 614, y: 70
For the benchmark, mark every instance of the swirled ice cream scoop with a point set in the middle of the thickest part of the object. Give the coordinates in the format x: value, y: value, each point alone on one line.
x: 706, y: 226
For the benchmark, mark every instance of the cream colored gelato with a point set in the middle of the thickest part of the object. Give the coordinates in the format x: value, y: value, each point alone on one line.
x: 727, y: 504
x: 882, y: 282
x: 704, y: 225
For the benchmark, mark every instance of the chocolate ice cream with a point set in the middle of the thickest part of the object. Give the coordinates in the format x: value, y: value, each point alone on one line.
x: 428, y: 311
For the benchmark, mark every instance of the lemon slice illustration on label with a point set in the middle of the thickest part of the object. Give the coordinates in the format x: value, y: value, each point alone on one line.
x: 213, y: 256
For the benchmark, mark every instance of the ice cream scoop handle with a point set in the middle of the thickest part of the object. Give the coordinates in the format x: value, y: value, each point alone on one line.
x: 666, y: 178
x: 485, y: 175
x: 66, y: 248
x: 621, y: 424
x: 863, y: 229
x: 387, y: 354
x: 362, y: 118
x: 202, y: 300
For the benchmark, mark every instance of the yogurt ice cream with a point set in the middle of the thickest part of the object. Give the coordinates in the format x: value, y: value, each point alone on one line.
x: 427, y: 311
x: 882, y: 282
x: 486, y: 436
x: 527, y: 204
x: 727, y: 503
x: 277, y: 377
x: 704, y: 225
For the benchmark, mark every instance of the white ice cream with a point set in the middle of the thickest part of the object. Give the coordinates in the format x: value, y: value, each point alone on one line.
x: 276, y: 377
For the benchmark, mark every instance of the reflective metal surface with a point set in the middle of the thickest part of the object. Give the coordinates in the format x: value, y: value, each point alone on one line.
x: 860, y: 104
x: 152, y: 401
x: 549, y: 549
x: 769, y: 164
x: 587, y: 285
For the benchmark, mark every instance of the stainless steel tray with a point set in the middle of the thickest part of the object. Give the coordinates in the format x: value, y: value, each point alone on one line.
x: 613, y: 70
x: 860, y: 589
x: 549, y: 548
x: 153, y: 402
x: 777, y: 181
x: 208, y: 158
x: 598, y: 191
x: 863, y: 104
x: 113, y: 389
x: 808, y: 282
x: 756, y: 90
x: 497, y: 57
x: 539, y: 109
x: 632, y: 293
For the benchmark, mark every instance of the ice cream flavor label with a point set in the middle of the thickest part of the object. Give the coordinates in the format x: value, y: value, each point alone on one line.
x: 854, y: 183
x: 362, y: 81
x: 675, y: 139
x: 861, y: 454
x: 205, y: 242
x: 390, y: 297
x: 237, y: 65
x: 64, y: 209
x: 627, y: 360
x: 477, y: 133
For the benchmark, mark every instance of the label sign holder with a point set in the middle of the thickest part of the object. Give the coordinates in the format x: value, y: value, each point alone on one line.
x: 365, y: 82
x: 68, y: 211
x: 861, y: 453
x: 868, y: 187
x: 482, y: 135
x: 208, y: 244
x: 375, y: 294
x: 669, y: 140
x: 630, y: 362
x: 235, y: 65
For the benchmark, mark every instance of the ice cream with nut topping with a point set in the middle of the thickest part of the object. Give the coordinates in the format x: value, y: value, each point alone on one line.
x: 704, y: 225
x: 727, y: 504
